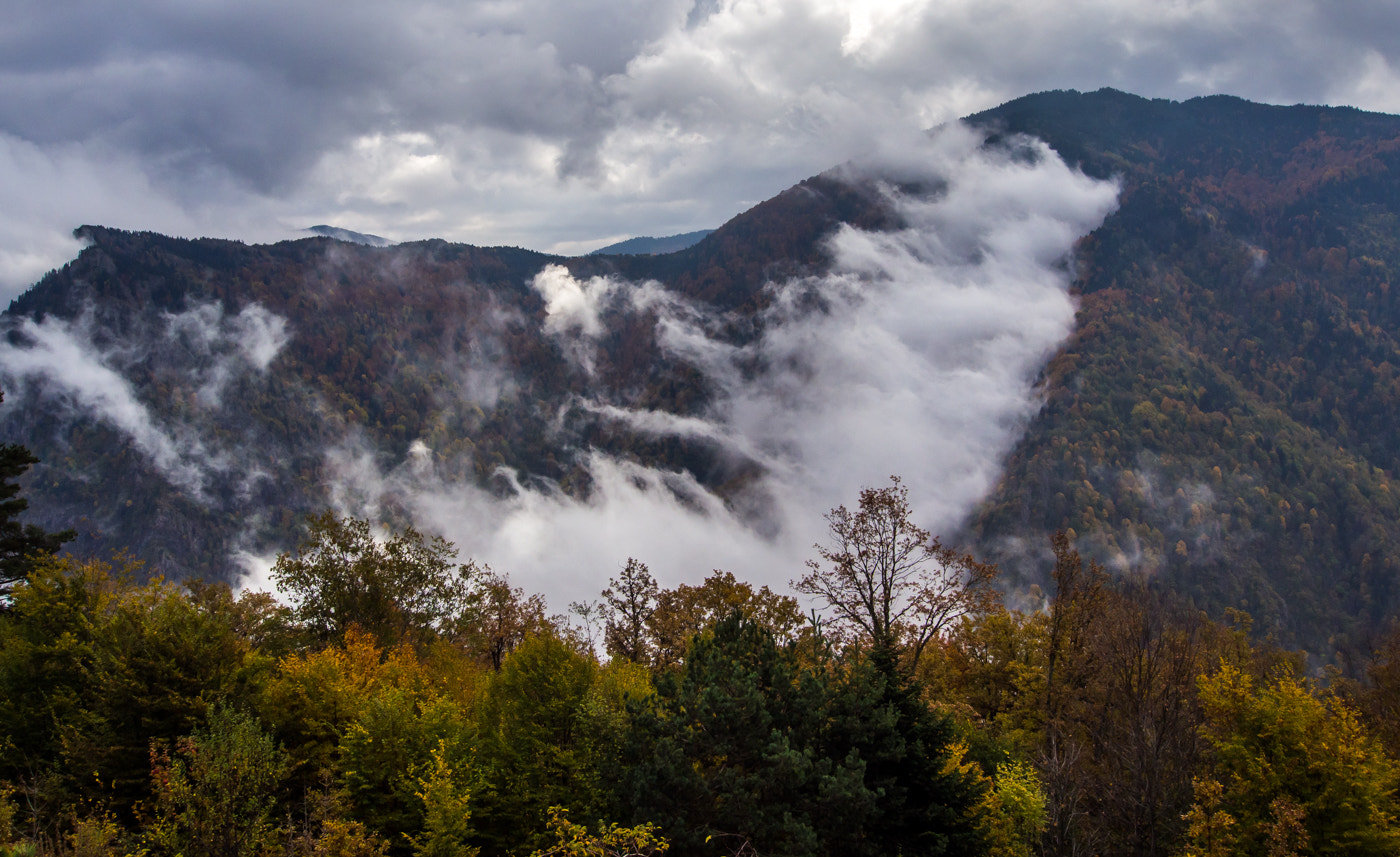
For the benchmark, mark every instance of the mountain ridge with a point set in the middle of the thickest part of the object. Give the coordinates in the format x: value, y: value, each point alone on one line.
x: 1241, y: 298
x: 647, y: 245
x: 1196, y: 428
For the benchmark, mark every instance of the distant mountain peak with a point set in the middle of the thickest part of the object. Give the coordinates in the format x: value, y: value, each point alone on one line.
x: 349, y: 236
x: 648, y: 246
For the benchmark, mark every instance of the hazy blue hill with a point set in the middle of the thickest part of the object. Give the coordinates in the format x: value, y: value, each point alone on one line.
x: 348, y: 235
x: 648, y: 246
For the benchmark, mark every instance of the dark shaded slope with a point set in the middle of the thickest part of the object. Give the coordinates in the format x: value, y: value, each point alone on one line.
x: 1223, y: 418
x: 647, y: 245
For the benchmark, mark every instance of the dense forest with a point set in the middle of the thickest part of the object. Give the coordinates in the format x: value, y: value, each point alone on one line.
x: 1222, y: 415
x: 403, y: 703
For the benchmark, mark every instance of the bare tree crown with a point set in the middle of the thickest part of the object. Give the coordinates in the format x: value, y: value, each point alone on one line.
x: 888, y: 580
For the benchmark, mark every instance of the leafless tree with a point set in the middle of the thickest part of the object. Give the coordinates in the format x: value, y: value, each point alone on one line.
x: 888, y: 581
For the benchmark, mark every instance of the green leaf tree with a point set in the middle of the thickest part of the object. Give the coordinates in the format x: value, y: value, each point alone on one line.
x: 1294, y: 770
x: 215, y: 794
x: 745, y: 748
x: 446, y: 798
x: 575, y: 840
x: 531, y: 750
x: 342, y: 575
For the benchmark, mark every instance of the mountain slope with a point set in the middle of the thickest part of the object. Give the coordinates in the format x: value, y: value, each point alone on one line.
x: 166, y: 437
x: 1223, y: 416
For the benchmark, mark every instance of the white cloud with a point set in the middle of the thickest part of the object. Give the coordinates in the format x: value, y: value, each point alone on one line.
x: 914, y: 356
x: 224, y: 347
x: 58, y: 359
x: 260, y: 334
x: 62, y: 356
x: 572, y: 306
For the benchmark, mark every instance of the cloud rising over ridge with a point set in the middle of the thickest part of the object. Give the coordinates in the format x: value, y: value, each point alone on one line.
x: 57, y: 359
x: 914, y: 355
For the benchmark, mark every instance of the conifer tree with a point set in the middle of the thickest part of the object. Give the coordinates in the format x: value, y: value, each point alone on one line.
x: 19, y: 543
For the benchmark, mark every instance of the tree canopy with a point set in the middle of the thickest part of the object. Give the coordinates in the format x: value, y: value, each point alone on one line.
x: 343, y: 575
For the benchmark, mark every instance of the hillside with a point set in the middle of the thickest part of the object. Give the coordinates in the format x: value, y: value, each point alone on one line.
x: 647, y: 245
x: 1223, y: 417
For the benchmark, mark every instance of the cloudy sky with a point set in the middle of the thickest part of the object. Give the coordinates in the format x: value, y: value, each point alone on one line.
x: 563, y: 125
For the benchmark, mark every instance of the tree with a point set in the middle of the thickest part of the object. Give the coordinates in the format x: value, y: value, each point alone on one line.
x: 726, y: 755
x: 19, y: 543
x: 50, y: 641
x: 529, y: 742
x: 93, y: 668
x: 747, y: 749
x: 888, y: 581
x: 323, y: 830
x: 1070, y: 664
x: 685, y: 611
x: 630, y: 601
x: 372, y: 717
x: 1142, y: 721
x: 216, y: 794
x: 1294, y: 770
x: 162, y: 662
x: 499, y: 618
x: 575, y: 840
x: 341, y: 575
x: 446, y: 811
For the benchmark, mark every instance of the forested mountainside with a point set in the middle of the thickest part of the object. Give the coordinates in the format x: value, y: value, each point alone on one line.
x: 1224, y: 414
x: 431, y: 342
x: 1220, y: 420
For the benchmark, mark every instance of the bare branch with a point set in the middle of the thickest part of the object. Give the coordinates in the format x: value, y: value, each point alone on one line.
x: 888, y: 580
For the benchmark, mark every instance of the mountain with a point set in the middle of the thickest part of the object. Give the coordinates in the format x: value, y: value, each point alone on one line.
x: 647, y: 246
x: 1219, y: 419
x: 349, y: 236
x: 1223, y: 416
x: 193, y: 400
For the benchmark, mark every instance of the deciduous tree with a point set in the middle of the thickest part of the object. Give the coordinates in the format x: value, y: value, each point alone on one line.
x: 342, y: 575
x: 1278, y: 739
x: 215, y: 794
x: 888, y: 580
x: 630, y: 600
x: 685, y: 611
x: 498, y: 619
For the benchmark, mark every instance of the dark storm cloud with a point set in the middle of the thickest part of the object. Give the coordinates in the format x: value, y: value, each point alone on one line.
x: 261, y: 90
x: 564, y: 124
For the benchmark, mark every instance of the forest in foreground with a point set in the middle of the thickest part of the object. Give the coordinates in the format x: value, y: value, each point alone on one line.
x: 403, y: 703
